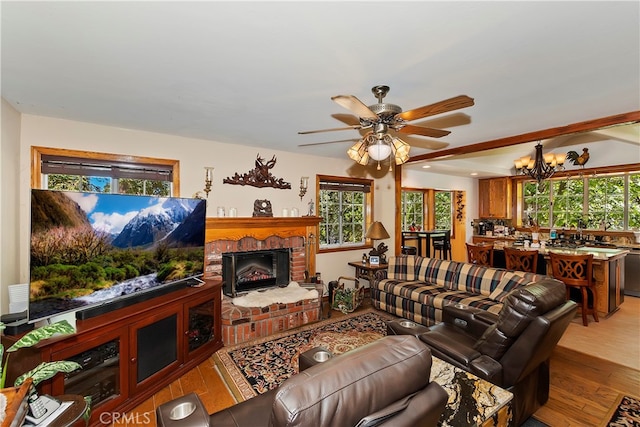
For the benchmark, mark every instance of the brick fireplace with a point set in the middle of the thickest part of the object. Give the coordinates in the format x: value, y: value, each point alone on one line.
x: 226, y: 235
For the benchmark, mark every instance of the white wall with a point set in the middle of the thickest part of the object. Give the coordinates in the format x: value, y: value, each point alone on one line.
x: 9, y: 172
x: 194, y: 155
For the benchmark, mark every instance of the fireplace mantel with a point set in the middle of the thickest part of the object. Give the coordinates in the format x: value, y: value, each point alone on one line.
x: 299, y: 233
x: 235, y: 228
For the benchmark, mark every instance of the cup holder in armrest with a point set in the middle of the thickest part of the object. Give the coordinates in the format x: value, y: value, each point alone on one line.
x: 181, y: 411
x: 322, y: 356
x: 408, y: 324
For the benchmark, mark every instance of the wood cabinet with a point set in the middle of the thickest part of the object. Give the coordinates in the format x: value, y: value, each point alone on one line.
x: 494, y: 197
x: 131, y: 353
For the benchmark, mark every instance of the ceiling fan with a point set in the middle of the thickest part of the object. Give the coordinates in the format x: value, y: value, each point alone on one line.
x: 382, y: 117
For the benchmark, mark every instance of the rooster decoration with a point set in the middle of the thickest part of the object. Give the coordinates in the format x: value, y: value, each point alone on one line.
x: 579, y: 160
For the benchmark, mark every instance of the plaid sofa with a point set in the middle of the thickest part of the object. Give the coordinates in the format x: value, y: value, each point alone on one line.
x: 417, y: 288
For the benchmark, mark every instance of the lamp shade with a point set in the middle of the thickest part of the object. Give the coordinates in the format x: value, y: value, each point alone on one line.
x: 358, y: 152
x: 377, y: 231
x: 379, y: 151
x: 401, y: 149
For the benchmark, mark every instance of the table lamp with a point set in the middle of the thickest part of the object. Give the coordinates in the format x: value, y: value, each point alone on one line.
x: 377, y: 231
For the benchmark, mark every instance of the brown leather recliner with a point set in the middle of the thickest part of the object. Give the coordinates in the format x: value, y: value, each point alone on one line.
x: 513, y: 349
x: 385, y: 383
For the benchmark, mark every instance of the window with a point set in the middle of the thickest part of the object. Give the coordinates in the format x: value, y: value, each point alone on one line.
x: 611, y: 201
x: 444, y: 210
x: 633, y: 210
x: 536, y: 201
x: 412, y: 209
x: 345, y: 207
x: 103, y: 173
x: 427, y: 209
x: 568, y: 199
x: 606, y: 202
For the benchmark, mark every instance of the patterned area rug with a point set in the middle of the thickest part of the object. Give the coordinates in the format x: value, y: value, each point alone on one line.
x: 257, y: 366
x: 626, y: 414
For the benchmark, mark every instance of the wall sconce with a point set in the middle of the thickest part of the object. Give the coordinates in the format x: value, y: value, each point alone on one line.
x: 208, y: 178
x: 304, y: 184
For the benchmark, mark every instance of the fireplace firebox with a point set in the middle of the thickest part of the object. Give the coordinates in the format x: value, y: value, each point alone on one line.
x: 248, y: 271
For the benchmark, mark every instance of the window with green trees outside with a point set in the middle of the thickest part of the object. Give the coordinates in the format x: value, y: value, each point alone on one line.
x: 610, y: 202
x: 412, y: 209
x: 345, y: 206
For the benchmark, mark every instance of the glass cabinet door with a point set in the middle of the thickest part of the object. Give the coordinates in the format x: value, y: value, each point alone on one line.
x: 101, y: 376
x: 201, y: 328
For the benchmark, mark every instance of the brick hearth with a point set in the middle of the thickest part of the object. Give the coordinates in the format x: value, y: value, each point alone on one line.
x: 241, y: 324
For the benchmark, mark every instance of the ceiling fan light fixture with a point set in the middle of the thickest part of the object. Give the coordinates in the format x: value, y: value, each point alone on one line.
x: 358, y: 153
x: 401, y: 159
x: 382, y: 117
x: 401, y: 150
x: 379, y: 151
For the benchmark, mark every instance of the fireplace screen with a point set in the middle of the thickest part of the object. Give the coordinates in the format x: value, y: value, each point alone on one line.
x: 247, y: 271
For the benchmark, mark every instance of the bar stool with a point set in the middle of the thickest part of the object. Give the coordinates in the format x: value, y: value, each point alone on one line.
x: 409, y: 250
x: 521, y: 260
x: 442, y: 245
x: 576, y: 271
x: 480, y: 254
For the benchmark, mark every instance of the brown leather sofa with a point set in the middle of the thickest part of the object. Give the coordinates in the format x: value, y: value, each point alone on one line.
x: 512, y: 349
x: 385, y: 383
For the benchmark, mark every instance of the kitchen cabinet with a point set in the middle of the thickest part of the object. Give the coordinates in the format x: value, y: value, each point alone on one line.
x: 494, y: 198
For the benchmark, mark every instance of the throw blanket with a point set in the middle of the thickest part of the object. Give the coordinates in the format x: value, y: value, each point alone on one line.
x: 292, y: 293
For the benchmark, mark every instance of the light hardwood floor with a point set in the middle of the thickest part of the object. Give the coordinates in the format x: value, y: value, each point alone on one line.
x: 615, y: 338
x: 591, y: 367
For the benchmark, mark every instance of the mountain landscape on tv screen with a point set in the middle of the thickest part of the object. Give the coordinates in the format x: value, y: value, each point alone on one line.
x: 89, y: 248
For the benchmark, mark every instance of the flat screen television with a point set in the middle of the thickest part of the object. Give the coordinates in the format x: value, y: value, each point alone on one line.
x: 91, y: 249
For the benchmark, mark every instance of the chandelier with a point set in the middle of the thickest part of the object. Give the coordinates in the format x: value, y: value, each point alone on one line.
x: 379, y: 146
x: 542, y: 166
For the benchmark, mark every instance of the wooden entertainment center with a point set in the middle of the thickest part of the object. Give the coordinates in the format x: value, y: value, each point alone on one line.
x: 133, y: 352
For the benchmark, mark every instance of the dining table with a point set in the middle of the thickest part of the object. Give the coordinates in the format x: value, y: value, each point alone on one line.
x: 423, y: 238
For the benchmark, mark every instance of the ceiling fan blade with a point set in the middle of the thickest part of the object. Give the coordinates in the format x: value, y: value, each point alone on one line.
x: 424, y: 143
x: 328, y: 142
x: 451, y: 104
x: 329, y: 130
x: 431, y: 145
x: 354, y: 105
x: 418, y: 130
x: 350, y: 119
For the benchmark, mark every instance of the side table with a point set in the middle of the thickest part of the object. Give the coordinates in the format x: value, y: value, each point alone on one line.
x: 367, y: 271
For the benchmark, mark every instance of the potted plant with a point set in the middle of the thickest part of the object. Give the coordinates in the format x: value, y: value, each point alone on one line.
x: 45, y: 370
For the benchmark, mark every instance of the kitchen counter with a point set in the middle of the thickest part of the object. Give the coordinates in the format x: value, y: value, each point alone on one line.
x: 608, y: 270
x: 511, y: 238
x: 602, y: 254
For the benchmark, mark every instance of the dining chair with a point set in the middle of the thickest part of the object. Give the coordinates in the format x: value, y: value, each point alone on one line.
x: 576, y: 272
x: 442, y: 245
x: 480, y: 254
x: 521, y: 259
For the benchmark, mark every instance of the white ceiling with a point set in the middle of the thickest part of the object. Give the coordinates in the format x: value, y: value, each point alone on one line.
x: 256, y: 73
